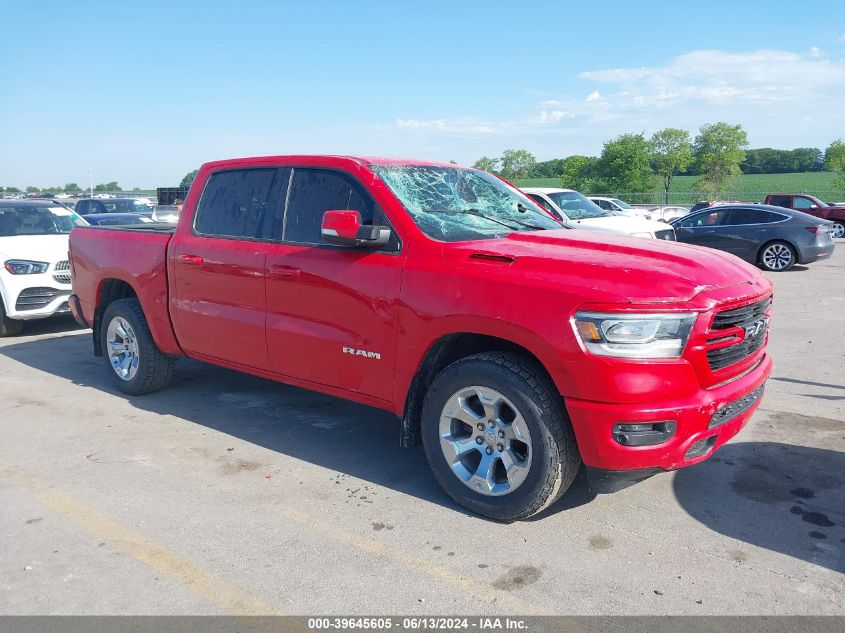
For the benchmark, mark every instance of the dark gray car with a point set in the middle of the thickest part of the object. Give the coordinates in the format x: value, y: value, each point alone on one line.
x: 772, y: 237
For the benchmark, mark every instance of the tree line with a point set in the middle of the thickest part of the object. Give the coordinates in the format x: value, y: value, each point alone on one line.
x: 70, y: 187
x: 633, y: 163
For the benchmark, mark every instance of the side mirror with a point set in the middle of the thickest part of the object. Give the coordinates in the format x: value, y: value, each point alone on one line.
x: 814, y: 206
x: 345, y: 229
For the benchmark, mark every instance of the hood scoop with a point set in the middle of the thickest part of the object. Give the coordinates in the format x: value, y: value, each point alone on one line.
x: 507, y: 260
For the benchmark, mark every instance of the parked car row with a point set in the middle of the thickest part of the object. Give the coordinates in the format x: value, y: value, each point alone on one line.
x: 577, y: 211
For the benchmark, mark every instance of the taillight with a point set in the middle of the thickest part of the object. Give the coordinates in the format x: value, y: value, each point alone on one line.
x: 817, y: 230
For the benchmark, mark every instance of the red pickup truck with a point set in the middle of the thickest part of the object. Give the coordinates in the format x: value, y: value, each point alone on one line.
x: 812, y: 206
x: 513, y: 348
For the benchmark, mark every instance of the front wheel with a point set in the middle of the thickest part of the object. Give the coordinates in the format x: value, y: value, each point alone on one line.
x: 838, y: 229
x: 135, y: 364
x: 777, y: 257
x: 8, y: 327
x: 497, y: 437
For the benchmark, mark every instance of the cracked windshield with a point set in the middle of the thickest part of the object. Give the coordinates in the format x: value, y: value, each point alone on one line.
x: 452, y: 204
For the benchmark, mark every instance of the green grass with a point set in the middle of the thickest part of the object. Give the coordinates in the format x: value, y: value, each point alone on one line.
x: 748, y: 187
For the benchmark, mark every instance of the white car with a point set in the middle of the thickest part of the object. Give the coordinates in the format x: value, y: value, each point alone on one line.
x: 576, y: 211
x: 35, y: 275
x: 619, y: 207
x: 668, y: 213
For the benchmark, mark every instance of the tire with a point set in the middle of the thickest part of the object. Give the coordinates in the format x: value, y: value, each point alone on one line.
x: 8, y: 327
x: 777, y: 256
x: 135, y: 364
x: 523, y: 403
x: 838, y: 229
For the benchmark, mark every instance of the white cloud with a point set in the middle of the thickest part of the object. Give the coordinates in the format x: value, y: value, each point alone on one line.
x: 782, y: 98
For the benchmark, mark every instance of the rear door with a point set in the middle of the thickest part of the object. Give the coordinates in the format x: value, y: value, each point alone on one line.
x: 745, y: 230
x: 219, y: 304
x: 332, y: 311
x: 702, y: 228
x: 780, y: 201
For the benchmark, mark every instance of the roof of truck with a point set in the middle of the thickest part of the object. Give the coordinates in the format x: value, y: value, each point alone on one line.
x: 365, y: 161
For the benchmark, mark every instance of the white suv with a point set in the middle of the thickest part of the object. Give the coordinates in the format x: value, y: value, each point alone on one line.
x: 34, y: 270
x: 576, y: 211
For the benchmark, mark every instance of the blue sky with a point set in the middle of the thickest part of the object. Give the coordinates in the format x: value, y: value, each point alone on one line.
x: 143, y: 93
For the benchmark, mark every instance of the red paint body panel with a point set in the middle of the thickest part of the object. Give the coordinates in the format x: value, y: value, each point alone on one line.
x: 357, y: 324
x: 821, y: 211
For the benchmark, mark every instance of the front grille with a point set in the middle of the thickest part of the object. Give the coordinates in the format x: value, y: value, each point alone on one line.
x: 37, y: 298
x: 65, y: 265
x: 60, y: 268
x: 751, y: 319
x: 741, y: 317
x: 735, y: 408
x: 62, y: 279
x: 668, y: 234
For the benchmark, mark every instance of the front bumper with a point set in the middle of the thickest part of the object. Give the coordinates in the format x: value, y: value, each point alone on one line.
x: 707, y: 419
x: 28, y: 297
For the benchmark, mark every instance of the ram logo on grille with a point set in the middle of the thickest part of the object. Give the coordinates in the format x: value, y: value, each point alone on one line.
x: 755, y: 329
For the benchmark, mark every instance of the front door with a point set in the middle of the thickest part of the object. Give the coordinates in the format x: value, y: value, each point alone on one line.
x: 332, y: 311
x: 702, y: 228
x: 219, y: 267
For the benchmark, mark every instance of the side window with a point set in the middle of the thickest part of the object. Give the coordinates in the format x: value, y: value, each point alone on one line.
x: 750, y: 216
x: 709, y: 218
x: 315, y: 191
x: 799, y: 202
x: 541, y: 201
x: 241, y: 203
x: 781, y: 201
x: 82, y: 207
x: 604, y: 204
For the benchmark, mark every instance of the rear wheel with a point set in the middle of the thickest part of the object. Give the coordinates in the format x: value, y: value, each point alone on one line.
x: 8, y: 327
x: 777, y: 256
x: 838, y: 229
x: 496, y: 436
x: 135, y: 364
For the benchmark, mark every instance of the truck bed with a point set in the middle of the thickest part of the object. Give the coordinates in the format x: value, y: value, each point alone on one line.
x: 103, y: 256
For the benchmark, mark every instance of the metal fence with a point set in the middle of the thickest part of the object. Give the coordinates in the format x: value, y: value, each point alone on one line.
x: 687, y: 198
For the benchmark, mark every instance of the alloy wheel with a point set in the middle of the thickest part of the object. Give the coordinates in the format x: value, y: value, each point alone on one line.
x: 122, y: 348
x: 777, y: 257
x: 485, y: 441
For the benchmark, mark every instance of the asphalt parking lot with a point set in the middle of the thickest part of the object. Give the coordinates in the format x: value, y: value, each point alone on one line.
x: 227, y: 494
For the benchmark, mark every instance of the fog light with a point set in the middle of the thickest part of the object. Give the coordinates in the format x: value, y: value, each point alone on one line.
x: 701, y: 447
x: 643, y: 433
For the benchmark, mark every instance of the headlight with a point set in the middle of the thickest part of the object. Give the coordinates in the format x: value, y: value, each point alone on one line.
x: 634, y: 335
x: 25, y: 267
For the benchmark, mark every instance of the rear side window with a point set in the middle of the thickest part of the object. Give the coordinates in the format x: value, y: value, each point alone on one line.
x: 315, y: 191
x: 753, y: 216
x: 781, y: 201
x: 240, y: 203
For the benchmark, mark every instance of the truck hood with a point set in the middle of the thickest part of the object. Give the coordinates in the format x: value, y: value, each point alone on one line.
x: 606, y: 268
x: 38, y: 248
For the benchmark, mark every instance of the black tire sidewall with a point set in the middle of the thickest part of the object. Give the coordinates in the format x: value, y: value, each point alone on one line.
x: 146, y: 349
x: 544, y: 448
x: 8, y: 327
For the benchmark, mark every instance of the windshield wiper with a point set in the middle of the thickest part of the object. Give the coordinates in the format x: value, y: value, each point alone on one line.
x: 479, y: 214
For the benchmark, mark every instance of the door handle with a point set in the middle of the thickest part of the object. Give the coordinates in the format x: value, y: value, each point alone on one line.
x: 279, y: 270
x: 194, y: 260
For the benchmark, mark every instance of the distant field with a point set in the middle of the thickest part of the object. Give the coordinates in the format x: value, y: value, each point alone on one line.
x: 751, y: 187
